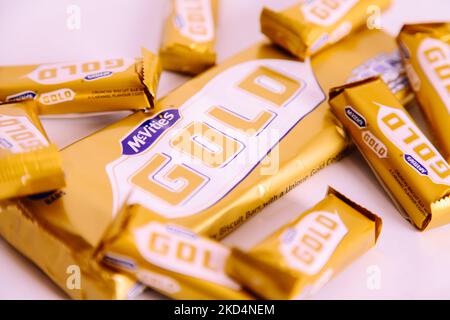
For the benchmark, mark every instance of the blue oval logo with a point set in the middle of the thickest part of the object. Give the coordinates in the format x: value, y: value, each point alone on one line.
x: 141, y: 138
x: 179, y: 22
x: 5, y: 144
x: 41, y: 196
x: 415, y: 164
x: 355, y: 117
x: 25, y: 95
x: 98, y: 75
x: 121, y: 262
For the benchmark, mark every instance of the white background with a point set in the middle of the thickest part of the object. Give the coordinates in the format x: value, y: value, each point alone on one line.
x: 410, y: 264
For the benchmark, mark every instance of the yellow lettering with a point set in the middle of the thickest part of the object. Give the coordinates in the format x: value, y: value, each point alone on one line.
x: 248, y: 126
x: 206, y: 144
x: 186, y: 252
x: 159, y: 243
x: 144, y: 179
x: 270, y: 85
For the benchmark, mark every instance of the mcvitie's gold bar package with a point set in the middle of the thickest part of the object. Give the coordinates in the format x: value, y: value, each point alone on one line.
x: 412, y: 171
x: 29, y: 164
x: 214, y: 152
x: 299, y: 258
x: 312, y: 25
x: 426, y: 52
x: 168, y: 258
x: 189, y: 38
x: 87, y: 86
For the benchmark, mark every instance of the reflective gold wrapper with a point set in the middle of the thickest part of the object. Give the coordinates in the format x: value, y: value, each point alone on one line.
x: 29, y: 164
x: 426, y: 52
x: 64, y: 257
x: 87, y: 86
x: 312, y: 25
x: 168, y: 258
x: 413, y: 172
x: 213, y: 154
x: 189, y: 38
x: 299, y: 258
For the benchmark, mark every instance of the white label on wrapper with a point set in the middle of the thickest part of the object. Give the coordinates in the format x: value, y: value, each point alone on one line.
x: 19, y: 134
x: 417, y: 150
x: 181, y: 251
x: 434, y: 59
x: 194, y: 19
x: 57, y: 96
x: 158, y: 281
x: 70, y: 71
x: 309, y: 244
x: 182, y: 161
x: 374, y: 144
x: 326, y: 12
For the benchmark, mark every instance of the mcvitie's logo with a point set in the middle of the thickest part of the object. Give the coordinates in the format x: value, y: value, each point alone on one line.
x: 141, y: 138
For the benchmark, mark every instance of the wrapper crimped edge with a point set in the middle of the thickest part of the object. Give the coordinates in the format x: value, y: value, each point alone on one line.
x: 271, y: 21
x: 151, y: 72
x: 286, y: 280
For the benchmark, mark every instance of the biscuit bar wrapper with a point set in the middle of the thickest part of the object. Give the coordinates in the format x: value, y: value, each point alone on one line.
x: 137, y: 152
x: 299, y: 258
x: 29, y: 164
x: 189, y: 38
x: 65, y: 258
x: 313, y: 25
x: 426, y: 52
x: 412, y: 171
x: 87, y: 86
x: 168, y: 258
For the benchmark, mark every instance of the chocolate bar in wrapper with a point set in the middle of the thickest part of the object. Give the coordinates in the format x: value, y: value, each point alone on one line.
x: 64, y: 257
x: 189, y: 38
x: 426, y: 52
x: 29, y: 164
x: 86, y: 86
x: 300, y: 257
x: 210, y: 156
x: 313, y: 25
x: 412, y: 171
x: 168, y: 258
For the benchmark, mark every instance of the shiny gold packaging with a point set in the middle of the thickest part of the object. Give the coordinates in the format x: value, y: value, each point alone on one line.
x: 312, y: 25
x: 426, y: 52
x: 28, y: 162
x: 64, y: 257
x: 87, y: 86
x: 189, y: 38
x: 168, y: 258
x: 299, y: 258
x: 412, y: 171
x: 259, y: 102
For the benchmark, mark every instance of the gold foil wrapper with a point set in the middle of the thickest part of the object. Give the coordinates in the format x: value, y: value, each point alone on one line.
x: 168, y: 258
x: 29, y: 164
x: 313, y: 25
x: 412, y: 171
x: 261, y: 98
x: 189, y: 38
x: 86, y: 86
x: 66, y: 258
x: 426, y: 53
x: 300, y: 257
